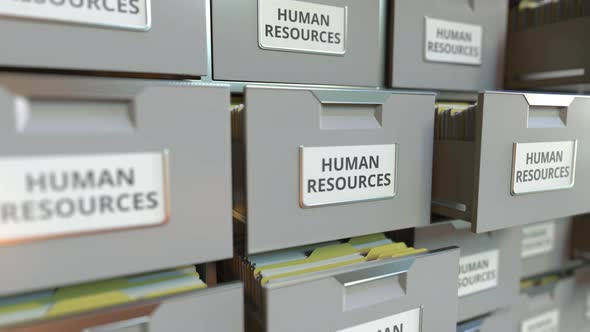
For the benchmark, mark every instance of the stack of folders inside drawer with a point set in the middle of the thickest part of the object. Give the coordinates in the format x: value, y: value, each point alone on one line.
x: 93, y: 296
x: 455, y: 121
x: 263, y: 269
x: 531, y: 14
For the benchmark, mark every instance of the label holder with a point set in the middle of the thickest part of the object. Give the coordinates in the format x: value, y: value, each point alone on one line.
x: 147, y: 27
x: 166, y: 195
x: 300, y: 50
x: 513, y: 180
x: 310, y: 206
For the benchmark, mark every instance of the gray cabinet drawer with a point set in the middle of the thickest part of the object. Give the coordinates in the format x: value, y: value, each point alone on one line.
x: 220, y: 308
x: 447, y: 45
x: 290, y: 132
x: 108, y: 177
x: 328, y: 42
x: 488, y: 268
x: 128, y: 36
x: 491, y: 181
x: 386, y: 292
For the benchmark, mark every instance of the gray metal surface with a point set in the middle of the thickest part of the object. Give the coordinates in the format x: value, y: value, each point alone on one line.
x: 219, y: 308
x: 189, y: 120
x: 408, y: 68
x: 323, y: 303
x: 280, y: 120
x: 176, y: 43
x: 478, y: 175
x: 235, y: 36
x: 557, y: 258
x: 540, y: 300
x: 508, y: 243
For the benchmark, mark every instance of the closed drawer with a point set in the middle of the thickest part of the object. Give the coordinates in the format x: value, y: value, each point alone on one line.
x: 548, y: 306
x: 488, y: 269
x: 220, y: 308
x: 334, y: 42
x: 107, y: 177
x: 328, y: 164
x: 546, y: 247
x: 447, y: 45
x: 525, y: 162
x: 378, y: 296
x: 129, y: 36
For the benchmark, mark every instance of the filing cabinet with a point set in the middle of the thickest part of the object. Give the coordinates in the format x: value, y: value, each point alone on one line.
x: 326, y: 42
x: 488, y: 268
x: 108, y: 177
x: 546, y: 247
x: 547, y: 307
x: 564, y: 64
x: 379, y: 295
x: 328, y: 164
x: 501, y: 320
x: 218, y: 308
x: 123, y: 37
x: 521, y: 165
x: 447, y: 45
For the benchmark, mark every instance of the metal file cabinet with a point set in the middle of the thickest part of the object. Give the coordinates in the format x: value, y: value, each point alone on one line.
x: 131, y: 37
x: 379, y: 294
x: 546, y: 247
x: 467, y: 55
x: 349, y: 48
x: 488, y: 268
x: 288, y: 132
x: 161, y: 152
x: 549, y: 306
x: 565, y: 64
x: 478, y: 180
x: 501, y: 320
x: 215, y: 309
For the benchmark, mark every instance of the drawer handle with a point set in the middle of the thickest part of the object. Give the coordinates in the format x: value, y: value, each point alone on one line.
x: 350, y: 279
x: 80, y: 116
x: 374, y: 285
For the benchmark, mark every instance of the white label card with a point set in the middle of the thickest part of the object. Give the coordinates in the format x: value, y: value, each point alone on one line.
x: 453, y: 42
x: 292, y: 25
x: 547, y: 322
x: 538, y: 239
x: 478, y: 272
x: 588, y: 305
x: 67, y: 195
x: 344, y: 174
x: 408, y: 321
x: 543, y: 166
x: 125, y: 14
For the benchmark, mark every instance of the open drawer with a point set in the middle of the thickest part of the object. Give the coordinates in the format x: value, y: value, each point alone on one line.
x: 219, y: 308
x: 522, y: 159
x: 319, y: 165
x: 106, y: 177
x: 380, y: 295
